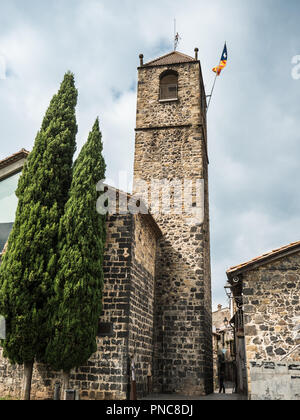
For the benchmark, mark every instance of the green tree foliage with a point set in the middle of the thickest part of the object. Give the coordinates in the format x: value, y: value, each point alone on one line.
x: 29, y: 266
x: 79, y: 282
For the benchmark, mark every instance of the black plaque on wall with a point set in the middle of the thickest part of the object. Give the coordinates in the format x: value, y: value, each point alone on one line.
x: 105, y: 329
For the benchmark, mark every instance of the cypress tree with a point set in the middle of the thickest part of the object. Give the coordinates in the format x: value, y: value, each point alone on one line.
x: 28, y: 269
x: 79, y: 281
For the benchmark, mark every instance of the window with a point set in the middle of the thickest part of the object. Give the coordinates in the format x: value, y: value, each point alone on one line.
x: 8, y: 199
x: 169, y: 86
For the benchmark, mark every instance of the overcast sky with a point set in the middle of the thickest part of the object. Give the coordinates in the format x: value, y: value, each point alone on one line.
x: 253, y: 124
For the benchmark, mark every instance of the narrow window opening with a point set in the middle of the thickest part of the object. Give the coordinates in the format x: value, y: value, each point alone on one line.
x: 169, y: 86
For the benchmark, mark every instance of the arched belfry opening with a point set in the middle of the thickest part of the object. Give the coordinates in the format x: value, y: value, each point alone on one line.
x: 169, y: 85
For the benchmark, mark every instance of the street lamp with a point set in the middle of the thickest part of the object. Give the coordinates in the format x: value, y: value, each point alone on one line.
x: 228, y: 290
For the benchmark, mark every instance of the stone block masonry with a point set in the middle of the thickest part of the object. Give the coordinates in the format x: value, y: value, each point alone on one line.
x: 157, y: 291
x: 275, y: 381
x: 126, y: 325
x: 171, y: 145
x: 272, y: 312
x: 141, y: 320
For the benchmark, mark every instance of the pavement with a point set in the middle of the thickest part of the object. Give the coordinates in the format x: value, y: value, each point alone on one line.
x: 229, y: 396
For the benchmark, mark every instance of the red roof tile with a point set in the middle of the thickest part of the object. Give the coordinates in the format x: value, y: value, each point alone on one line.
x: 174, y: 57
x: 263, y: 259
x: 22, y: 154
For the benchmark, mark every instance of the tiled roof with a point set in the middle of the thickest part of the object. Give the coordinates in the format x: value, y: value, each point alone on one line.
x: 263, y: 259
x: 22, y: 154
x: 174, y: 57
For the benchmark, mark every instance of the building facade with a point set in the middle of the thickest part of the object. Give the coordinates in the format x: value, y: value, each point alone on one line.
x: 267, y: 320
x: 223, y: 347
x: 126, y: 325
x: 171, y: 148
x: 10, y: 170
x: 157, y: 285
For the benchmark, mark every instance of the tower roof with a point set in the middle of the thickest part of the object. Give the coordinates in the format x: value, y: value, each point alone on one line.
x: 174, y: 57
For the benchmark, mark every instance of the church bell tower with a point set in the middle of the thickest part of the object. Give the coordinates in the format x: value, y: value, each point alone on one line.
x: 171, y: 155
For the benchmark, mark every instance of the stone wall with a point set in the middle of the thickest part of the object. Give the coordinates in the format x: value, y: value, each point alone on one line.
x: 127, y: 317
x: 275, y: 381
x: 106, y: 376
x: 11, y: 381
x: 12, y: 168
x: 181, y: 330
x: 219, y: 316
x: 142, y: 300
x: 272, y: 311
x: 170, y: 145
x: 152, y: 113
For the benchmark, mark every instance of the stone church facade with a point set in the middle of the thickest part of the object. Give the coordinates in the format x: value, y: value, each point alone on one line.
x: 157, y: 292
x: 126, y: 325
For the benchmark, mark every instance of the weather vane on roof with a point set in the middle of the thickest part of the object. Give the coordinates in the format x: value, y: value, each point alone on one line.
x: 177, y: 37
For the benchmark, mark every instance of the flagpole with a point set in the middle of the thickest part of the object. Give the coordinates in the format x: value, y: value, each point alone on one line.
x: 220, y: 68
x: 212, y: 91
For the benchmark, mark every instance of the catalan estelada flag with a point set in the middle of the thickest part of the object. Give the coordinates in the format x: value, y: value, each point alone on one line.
x: 223, y: 62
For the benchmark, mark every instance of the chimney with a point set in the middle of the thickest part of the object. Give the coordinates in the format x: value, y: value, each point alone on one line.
x: 196, y: 53
x: 141, y: 60
x: 220, y: 308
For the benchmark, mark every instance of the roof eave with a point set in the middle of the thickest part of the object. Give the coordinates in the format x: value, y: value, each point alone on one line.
x: 237, y: 271
x: 22, y: 154
x: 186, y: 59
x: 150, y: 66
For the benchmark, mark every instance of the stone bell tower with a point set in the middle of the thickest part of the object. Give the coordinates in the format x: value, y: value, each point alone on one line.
x: 171, y: 154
